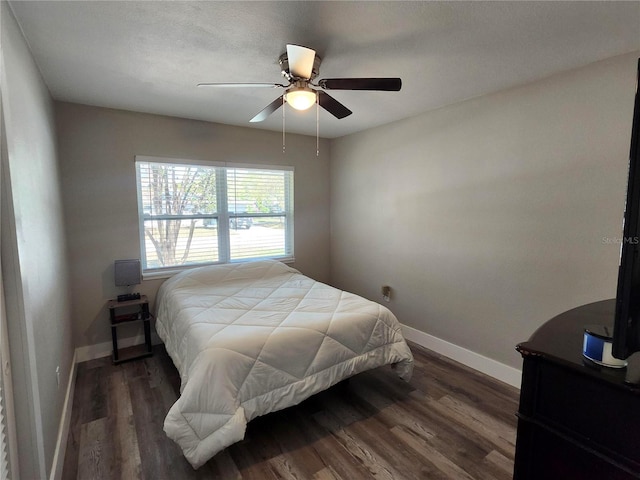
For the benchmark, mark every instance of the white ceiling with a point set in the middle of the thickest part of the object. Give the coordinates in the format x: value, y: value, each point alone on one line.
x: 149, y: 56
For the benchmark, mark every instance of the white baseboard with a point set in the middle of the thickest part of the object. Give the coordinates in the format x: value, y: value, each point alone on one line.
x: 483, y: 364
x: 99, y: 350
x: 65, y: 424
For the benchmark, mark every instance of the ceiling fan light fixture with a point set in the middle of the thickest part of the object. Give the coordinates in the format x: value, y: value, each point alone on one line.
x: 300, y: 98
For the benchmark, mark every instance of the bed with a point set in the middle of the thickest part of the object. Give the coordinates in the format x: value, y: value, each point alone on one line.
x: 252, y: 338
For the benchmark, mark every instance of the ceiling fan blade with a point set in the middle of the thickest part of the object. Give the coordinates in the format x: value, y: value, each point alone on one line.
x: 333, y: 106
x: 242, y: 85
x: 268, y: 110
x: 300, y: 61
x: 383, y: 84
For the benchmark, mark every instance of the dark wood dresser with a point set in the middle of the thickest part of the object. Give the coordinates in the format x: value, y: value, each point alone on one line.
x: 577, y: 420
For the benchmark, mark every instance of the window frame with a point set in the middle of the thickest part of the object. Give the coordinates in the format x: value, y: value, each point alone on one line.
x: 222, y: 216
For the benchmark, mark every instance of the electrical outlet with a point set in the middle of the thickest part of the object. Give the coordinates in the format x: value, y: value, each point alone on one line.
x: 58, y: 376
x: 386, y: 293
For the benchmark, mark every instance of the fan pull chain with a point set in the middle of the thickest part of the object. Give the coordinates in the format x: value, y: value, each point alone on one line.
x: 283, y: 109
x: 317, y: 125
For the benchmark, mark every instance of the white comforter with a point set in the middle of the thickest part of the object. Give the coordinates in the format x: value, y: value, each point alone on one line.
x: 253, y: 338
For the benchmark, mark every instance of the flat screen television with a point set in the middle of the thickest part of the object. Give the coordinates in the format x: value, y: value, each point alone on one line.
x: 626, y: 331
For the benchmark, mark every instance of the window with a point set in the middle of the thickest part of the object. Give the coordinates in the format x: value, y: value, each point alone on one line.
x: 196, y: 214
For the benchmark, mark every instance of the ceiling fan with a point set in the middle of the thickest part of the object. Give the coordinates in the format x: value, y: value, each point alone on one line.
x: 300, y: 65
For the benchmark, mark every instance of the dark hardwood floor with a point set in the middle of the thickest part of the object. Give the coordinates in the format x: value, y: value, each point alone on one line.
x: 449, y: 422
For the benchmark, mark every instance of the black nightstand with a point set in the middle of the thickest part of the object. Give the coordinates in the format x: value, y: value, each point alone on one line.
x: 125, y: 313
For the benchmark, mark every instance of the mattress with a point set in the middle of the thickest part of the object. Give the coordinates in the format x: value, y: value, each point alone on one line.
x: 252, y: 338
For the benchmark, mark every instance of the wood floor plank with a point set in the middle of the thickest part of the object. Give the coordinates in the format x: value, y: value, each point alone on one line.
x: 388, y: 411
x: 127, y: 453
x: 95, y: 459
x: 93, y: 401
x: 377, y: 465
x: 327, y: 473
x: 493, y: 430
x: 469, y: 446
x: 462, y: 445
x: 251, y: 466
x: 327, y: 446
x: 448, y: 422
x: 223, y: 466
x: 499, y: 465
x: 422, y: 447
x: 297, y: 462
x: 159, y: 458
x: 496, y: 398
x: 357, y: 414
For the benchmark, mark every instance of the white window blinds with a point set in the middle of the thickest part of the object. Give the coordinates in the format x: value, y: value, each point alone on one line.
x: 200, y: 214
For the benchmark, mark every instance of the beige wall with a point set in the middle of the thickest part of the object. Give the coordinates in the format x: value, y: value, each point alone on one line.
x: 34, y: 263
x: 97, y: 147
x: 487, y: 217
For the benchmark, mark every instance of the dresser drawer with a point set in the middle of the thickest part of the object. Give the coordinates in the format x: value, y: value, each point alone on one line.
x: 545, y: 455
x: 599, y: 414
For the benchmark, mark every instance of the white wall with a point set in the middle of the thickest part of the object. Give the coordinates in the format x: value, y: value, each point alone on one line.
x: 487, y: 218
x: 97, y: 147
x: 34, y: 263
